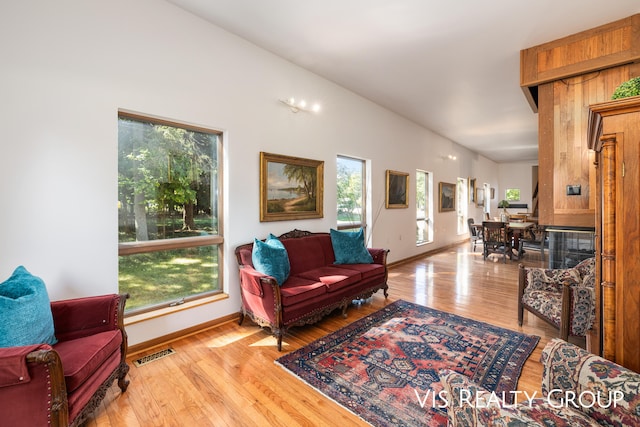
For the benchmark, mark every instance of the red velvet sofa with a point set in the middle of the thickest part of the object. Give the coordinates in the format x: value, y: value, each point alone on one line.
x: 63, y: 384
x: 315, y: 287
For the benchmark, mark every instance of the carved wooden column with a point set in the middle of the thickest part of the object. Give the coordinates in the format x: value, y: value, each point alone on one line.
x: 607, y: 235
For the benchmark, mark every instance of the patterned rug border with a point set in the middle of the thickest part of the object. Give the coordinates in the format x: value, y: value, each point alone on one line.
x: 495, y: 379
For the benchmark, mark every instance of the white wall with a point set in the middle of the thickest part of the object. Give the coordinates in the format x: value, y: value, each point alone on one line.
x: 68, y: 66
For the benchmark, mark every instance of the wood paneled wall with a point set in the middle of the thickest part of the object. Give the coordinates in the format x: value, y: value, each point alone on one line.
x: 561, y: 79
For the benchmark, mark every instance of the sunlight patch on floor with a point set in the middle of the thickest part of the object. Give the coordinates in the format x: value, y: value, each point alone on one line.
x: 231, y: 337
x: 269, y: 341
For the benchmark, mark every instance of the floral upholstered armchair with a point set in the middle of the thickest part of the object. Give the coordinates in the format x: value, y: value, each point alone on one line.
x: 565, y: 298
x: 578, y: 389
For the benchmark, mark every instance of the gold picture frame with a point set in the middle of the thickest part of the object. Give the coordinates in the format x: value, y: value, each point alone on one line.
x: 291, y: 188
x: 397, y: 190
x: 472, y: 190
x: 447, y: 197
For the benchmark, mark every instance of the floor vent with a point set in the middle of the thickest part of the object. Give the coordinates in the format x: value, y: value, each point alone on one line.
x: 154, y: 356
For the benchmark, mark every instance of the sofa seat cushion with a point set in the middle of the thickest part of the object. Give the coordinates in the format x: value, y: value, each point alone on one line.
x: 366, y: 270
x: 297, y: 289
x: 334, y: 278
x: 82, y: 356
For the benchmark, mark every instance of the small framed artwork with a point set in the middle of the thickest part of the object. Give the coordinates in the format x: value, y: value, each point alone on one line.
x: 397, y: 190
x: 493, y: 193
x: 290, y: 188
x: 447, y: 197
x: 472, y: 190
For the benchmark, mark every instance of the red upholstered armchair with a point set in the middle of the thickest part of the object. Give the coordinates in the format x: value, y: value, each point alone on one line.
x: 63, y: 384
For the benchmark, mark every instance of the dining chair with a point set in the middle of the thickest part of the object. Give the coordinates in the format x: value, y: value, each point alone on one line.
x: 475, y: 232
x: 496, y: 238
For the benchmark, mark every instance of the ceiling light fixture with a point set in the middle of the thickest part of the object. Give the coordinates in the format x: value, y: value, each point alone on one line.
x: 301, y: 105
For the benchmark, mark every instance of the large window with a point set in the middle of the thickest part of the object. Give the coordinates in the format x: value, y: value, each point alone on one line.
x: 168, y: 209
x: 424, y: 207
x: 462, y: 201
x: 351, y: 193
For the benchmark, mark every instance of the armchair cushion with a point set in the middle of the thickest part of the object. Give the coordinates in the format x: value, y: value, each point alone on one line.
x: 25, y: 311
x: 542, y: 279
x: 83, y: 356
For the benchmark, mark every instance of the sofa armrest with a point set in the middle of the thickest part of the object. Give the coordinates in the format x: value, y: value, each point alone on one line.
x: 40, y: 397
x: 254, y: 282
x: 81, y: 317
x: 571, y: 371
x: 379, y: 255
x: 578, y: 309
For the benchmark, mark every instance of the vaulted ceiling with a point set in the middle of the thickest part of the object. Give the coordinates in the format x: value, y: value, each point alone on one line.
x: 450, y: 66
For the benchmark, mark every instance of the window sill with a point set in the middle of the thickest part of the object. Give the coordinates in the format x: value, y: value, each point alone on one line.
x: 138, y: 318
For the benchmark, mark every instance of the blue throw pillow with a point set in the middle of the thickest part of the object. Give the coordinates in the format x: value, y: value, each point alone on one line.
x: 270, y: 257
x: 25, y: 311
x: 349, y: 248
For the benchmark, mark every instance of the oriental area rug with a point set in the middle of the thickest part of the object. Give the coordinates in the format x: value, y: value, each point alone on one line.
x: 384, y: 367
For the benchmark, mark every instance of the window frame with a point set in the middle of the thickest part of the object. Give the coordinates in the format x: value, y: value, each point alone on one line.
x: 216, y: 240
x: 363, y: 216
x: 428, y: 198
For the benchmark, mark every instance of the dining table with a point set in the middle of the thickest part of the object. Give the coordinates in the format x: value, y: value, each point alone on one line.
x: 519, y: 229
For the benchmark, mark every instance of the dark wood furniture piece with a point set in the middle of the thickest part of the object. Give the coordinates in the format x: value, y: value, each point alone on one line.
x: 614, y: 135
x: 61, y: 385
x: 561, y: 79
x: 519, y: 230
x: 497, y: 239
x: 534, y: 239
x: 315, y: 287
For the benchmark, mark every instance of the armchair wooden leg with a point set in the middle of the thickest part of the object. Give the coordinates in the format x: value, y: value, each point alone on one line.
x: 279, y: 335
x: 520, y: 313
x: 123, y: 382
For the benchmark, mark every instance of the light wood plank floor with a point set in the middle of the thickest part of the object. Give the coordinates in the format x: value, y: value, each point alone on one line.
x: 226, y: 376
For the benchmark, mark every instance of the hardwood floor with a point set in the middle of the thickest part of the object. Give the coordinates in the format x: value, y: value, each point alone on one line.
x: 226, y: 376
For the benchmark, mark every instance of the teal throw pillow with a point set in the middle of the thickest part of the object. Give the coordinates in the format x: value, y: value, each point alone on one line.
x: 270, y: 257
x: 349, y: 247
x: 25, y: 311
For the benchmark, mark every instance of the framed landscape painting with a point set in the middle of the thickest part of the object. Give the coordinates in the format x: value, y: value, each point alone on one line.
x: 290, y: 188
x: 397, y: 189
x: 447, y: 197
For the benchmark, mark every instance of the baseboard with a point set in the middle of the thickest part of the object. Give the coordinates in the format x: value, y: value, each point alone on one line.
x: 166, y: 339
x: 425, y: 254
